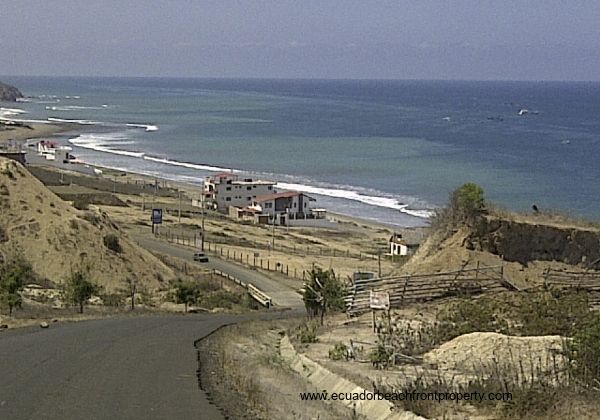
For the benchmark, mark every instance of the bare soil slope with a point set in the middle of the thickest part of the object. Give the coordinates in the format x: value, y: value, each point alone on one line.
x: 54, y: 236
x: 526, y: 248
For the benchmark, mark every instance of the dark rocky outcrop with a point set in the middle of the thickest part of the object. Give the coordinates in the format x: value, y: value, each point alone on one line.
x: 9, y: 93
x: 524, y: 242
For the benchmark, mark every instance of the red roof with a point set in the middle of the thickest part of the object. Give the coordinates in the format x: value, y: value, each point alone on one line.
x: 224, y: 174
x: 269, y: 197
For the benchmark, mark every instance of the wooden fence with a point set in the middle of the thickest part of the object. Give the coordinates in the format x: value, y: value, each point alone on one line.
x: 424, y: 287
x: 588, y: 281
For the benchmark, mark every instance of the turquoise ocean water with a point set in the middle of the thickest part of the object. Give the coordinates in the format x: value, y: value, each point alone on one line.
x: 383, y: 150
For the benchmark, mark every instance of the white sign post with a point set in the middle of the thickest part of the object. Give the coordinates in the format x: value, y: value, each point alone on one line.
x: 381, y: 301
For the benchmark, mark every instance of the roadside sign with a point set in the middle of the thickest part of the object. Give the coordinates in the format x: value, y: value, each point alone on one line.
x: 156, y: 216
x: 379, y: 300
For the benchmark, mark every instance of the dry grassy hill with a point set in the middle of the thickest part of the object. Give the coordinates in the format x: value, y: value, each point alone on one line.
x: 54, y: 236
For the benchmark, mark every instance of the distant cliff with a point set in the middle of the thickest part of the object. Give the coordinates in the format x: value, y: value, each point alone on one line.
x: 9, y: 93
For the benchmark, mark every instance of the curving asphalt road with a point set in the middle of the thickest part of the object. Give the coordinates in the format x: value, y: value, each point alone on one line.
x: 282, y: 294
x: 120, y: 368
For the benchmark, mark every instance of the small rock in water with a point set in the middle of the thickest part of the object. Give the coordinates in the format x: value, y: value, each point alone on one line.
x: 44, y: 324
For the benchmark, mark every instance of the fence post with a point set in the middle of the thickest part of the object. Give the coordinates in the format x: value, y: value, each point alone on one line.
x: 268, y: 265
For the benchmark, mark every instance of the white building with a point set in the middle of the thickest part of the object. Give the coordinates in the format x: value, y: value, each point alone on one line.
x: 226, y: 189
x: 289, y: 205
x: 398, y: 246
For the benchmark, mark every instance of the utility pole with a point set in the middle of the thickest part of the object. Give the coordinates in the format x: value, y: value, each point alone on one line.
x: 273, y: 234
x: 179, y: 210
x: 379, y: 263
x: 203, y: 231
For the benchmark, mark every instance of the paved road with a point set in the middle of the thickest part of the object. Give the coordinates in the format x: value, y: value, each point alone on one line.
x: 127, y: 368
x: 281, y: 294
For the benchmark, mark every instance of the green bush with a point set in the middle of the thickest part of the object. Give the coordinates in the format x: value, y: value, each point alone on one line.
x: 307, y: 333
x: 584, y: 351
x: 381, y: 356
x: 111, y: 241
x: 338, y: 352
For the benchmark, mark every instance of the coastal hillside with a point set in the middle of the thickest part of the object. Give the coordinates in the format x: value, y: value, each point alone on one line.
x: 54, y: 236
x: 526, y: 245
x: 9, y: 93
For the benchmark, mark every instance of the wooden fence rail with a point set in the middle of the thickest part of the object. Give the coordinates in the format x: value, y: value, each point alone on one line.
x: 424, y: 287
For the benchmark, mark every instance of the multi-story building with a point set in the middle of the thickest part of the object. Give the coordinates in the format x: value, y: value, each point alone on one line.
x: 290, y: 205
x: 227, y: 189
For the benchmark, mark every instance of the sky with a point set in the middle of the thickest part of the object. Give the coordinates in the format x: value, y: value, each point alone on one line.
x: 340, y: 39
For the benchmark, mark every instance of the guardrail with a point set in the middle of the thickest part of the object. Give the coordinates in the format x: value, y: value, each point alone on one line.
x: 259, y: 296
x: 253, y: 291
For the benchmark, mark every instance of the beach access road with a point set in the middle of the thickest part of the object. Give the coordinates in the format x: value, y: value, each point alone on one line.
x: 120, y: 368
x: 281, y: 294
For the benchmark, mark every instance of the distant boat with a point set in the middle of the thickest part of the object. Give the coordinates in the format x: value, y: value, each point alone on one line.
x: 446, y: 118
x: 523, y: 111
x: 566, y: 142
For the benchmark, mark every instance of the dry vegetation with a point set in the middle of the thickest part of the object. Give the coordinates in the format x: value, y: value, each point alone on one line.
x: 53, y: 236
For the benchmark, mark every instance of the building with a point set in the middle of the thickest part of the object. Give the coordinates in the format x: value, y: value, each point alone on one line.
x: 285, y: 206
x: 398, y: 246
x: 52, y: 151
x: 226, y: 189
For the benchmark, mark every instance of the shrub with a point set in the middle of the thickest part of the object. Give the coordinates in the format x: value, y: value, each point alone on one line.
x: 338, y: 352
x: 15, y: 272
x: 381, y: 356
x: 79, y: 286
x: 584, y: 351
x: 307, y: 333
x: 111, y: 241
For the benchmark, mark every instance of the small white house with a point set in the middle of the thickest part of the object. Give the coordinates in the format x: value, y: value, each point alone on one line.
x: 398, y: 246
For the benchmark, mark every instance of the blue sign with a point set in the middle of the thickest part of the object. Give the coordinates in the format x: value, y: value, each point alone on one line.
x: 156, y: 216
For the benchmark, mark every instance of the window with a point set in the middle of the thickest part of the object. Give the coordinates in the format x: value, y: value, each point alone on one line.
x: 249, y: 188
x: 268, y: 205
x: 270, y: 187
x: 294, y: 205
x: 228, y: 199
x: 248, y: 198
x: 228, y: 188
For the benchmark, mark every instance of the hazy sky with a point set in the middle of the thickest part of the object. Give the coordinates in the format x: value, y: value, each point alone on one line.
x: 420, y: 39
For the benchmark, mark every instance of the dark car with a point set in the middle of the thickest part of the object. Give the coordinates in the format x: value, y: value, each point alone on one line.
x: 200, y: 257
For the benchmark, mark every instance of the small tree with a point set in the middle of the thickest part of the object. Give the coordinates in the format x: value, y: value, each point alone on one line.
x: 186, y: 292
x: 111, y: 241
x: 323, y: 292
x: 465, y: 205
x: 15, y: 272
x: 80, y: 287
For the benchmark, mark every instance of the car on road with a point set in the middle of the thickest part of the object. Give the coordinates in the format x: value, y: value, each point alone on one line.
x: 200, y: 257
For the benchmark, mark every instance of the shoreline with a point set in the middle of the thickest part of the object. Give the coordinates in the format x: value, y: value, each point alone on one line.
x: 31, y: 131
x: 38, y: 131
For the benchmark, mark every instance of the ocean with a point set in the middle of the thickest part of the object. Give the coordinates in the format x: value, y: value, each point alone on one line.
x: 390, y: 151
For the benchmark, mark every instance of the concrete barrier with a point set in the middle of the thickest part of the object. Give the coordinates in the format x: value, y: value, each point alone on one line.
x: 324, y: 379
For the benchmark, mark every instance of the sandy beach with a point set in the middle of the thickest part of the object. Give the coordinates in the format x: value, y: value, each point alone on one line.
x: 30, y: 131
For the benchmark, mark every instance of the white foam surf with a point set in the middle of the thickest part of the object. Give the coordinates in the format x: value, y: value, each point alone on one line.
x: 351, y: 194
x: 80, y: 122
x: 148, y: 127
x: 73, y: 108
x: 104, y: 143
x: 191, y: 165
